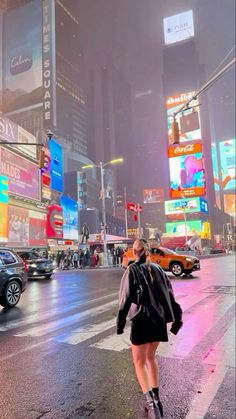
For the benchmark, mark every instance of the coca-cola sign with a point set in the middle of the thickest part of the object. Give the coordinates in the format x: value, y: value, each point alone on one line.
x: 181, y: 150
x: 184, y: 149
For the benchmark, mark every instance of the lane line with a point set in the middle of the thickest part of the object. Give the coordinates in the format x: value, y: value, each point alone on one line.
x: 38, y: 317
x: 67, y: 321
x: 28, y: 348
x: 208, y: 390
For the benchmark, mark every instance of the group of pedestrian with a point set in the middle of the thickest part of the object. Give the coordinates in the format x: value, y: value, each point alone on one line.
x: 70, y: 259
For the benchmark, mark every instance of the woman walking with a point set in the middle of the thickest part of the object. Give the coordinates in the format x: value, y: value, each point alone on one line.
x: 146, y: 294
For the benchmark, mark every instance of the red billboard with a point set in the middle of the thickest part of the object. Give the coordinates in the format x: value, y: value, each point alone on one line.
x: 54, y: 225
x: 23, y: 175
x: 37, y: 229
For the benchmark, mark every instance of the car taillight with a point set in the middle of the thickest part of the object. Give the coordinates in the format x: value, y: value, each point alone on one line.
x: 25, y: 266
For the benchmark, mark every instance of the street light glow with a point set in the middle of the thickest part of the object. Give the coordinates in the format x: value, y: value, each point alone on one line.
x: 88, y: 166
x: 118, y: 160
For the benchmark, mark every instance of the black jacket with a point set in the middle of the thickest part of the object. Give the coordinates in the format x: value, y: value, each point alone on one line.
x: 130, y: 289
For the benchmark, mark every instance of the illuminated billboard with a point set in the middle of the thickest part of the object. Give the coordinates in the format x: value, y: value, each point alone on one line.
x: 173, y: 104
x: 18, y: 226
x: 37, y: 229
x: 230, y: 204
x: 153, y: 196
x: 187, y: 205
x: 70, y: 218
x: 23, y: 175
x: 22, y: 58
x: 178, y: 227
x: 13, y: 133
x: 215, y: 167
x: 227, y: 164
x: 3, y: 222
x: 178, y: 27
x: 186, y: 171
x: 4, y: 190
x: 56, y: 166
x: 54, y: 225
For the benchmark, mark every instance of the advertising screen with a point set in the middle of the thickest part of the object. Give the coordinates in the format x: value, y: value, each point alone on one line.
x: 173, y: 103
x: 3, y: 190
x: 178, y: 27
x: 22, y: 58
x: 215, y: 167
x: 186, y: 171
x: 23, y: 175
x: 18, y: 226
x: 37, y: 229
x: 177, y: 206
x: 56, y: 166
x: 178, y: 228
x: 54, y: 225
x: 13, y: 133
x: 230, y: 204
x: 153, y: 196
x: 227, y: 164
x: 3, y: 222
x: 70, y: 218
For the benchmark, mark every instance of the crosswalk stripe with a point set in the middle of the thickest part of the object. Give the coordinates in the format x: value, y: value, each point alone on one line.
x: 115, y: 342
x: 42, y: 317
x: 224, y: 350
x: 196, y: 327
x: 84, y: 333
x: 121, y: 342
x: 67, y: 321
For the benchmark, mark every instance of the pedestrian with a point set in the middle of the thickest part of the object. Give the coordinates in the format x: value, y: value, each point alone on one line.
x: 75, y: 260
x: 146, y: 294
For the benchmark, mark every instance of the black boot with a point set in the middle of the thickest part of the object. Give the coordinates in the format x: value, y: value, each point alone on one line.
x: 157, y: 400
x: 151, y: 406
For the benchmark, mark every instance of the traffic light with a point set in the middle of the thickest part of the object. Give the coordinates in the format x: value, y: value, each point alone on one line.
x: 44, y: 159
x: 175, y: 132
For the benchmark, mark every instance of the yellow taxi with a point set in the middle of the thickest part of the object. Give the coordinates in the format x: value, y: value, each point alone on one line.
x: 167, y: 259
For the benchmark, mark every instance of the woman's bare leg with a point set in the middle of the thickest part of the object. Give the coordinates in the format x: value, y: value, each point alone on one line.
x: 139, y: 353
x: 152, y: 364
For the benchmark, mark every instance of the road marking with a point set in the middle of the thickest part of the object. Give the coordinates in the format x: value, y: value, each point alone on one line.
x: 196, y: 327
x: 121, y: 342
x: 115, y: 342
x: 206, y: 393
x: 59, y: 324
x: 84, y: 333
x: 224, y: 351
x: 42, y: 317
x: 21, y: 351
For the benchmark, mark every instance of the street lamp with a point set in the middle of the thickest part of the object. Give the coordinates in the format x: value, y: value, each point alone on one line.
x: 101, y: 166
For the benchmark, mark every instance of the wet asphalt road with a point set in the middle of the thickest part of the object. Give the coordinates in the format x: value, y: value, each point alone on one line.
x: 60, y: 356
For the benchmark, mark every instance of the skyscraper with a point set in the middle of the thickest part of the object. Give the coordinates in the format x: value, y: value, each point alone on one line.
x: 42, y: 77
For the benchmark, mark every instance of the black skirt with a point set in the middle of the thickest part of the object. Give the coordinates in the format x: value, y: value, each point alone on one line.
x: 143, y: 330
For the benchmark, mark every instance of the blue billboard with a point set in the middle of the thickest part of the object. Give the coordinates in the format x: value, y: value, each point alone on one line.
x: 56, y: 165
x: 3, y: 189
x: 70, y: 218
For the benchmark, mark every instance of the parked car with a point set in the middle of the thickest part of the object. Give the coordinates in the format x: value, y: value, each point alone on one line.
x: 168, y: 260
x: 13, y: 277
x: 37, y: 265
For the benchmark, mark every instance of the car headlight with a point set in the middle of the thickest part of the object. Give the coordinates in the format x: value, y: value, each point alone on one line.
x: 189, y: 260
x: 33, y: 265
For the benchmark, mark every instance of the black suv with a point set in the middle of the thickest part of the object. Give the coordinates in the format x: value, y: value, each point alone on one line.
x: 13, y: 277
x: 37, y: 266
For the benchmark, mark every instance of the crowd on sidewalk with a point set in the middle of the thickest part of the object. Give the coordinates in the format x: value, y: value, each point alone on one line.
x: 85, y: 258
